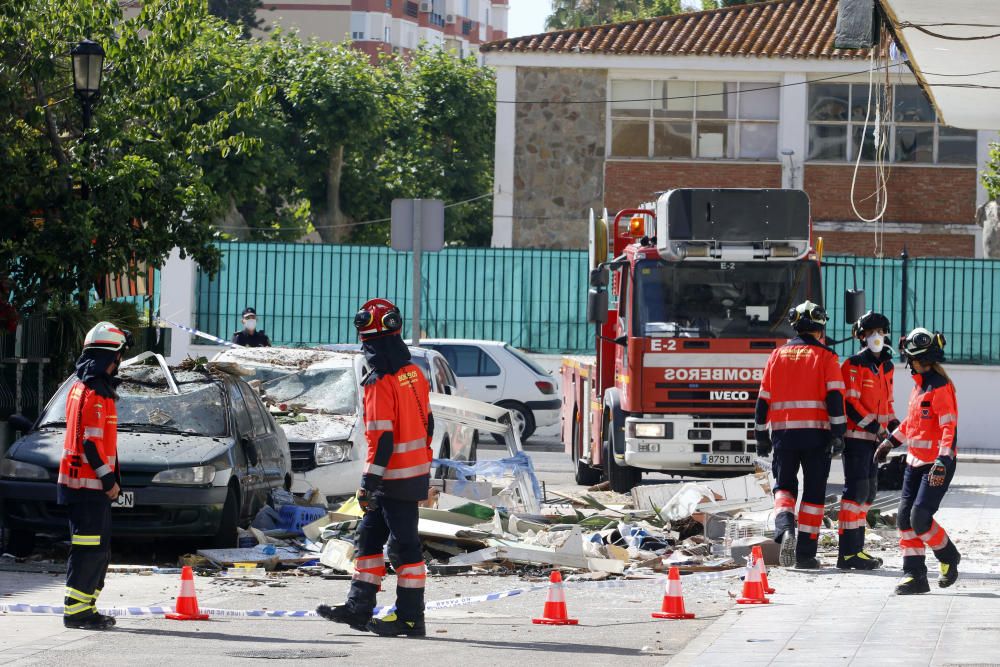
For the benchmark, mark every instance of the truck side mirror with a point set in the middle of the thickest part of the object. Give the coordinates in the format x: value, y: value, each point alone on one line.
x: 854, y: 305
x: 599, y: 277
x: 20, y: 423
x: 597, y: 305
x: 250, y: 450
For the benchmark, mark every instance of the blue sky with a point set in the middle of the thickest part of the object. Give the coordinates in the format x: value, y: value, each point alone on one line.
x: 527, y: 17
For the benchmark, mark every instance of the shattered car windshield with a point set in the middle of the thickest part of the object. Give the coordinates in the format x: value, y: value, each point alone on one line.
x: 145, y: 404
x: 721, y: 299
x: 332, y: 391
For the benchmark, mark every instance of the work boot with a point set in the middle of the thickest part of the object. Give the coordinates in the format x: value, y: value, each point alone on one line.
x: 807, y: 564
x: 870, y: 557
x: 341, y: 614
x: 89, y: 622
x: 786, y: 557
x: 913, y: 585
x: 949, y: 573
x: 392, y: 626
x: 858, y: 561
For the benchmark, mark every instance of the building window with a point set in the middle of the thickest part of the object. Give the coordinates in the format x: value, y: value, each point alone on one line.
x: 388, y: 5
x: 357, y: 35
x: 388, y: 34
x: 693, y: 119
x: 914, y: 135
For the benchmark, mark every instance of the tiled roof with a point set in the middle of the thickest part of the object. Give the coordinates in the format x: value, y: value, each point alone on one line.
x: 779, y: 28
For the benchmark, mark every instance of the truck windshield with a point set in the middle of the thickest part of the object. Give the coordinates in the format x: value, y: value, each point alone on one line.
x: 721, y: 299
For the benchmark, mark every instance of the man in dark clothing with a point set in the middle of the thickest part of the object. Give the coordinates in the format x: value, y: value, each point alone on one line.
x: 89, y: 478
x: 249, y: 336
x: 399, y: 427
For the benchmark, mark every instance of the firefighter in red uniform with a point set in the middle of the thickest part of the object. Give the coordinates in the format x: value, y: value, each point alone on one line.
x: 870, y: 418
x: 399, y: 426
x: 801, y: 400
x: 929, y: 432
x: 88, y: 473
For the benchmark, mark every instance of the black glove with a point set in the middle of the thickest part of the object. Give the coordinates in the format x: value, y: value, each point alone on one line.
x: 368, y: 501
x: 763, y: 444
x: 834, y: 446
x: 882, y: 453
x: 937, y: 474
x: 892, y: 426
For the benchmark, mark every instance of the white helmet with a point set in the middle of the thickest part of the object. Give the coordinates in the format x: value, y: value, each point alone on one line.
x: 106, y: 336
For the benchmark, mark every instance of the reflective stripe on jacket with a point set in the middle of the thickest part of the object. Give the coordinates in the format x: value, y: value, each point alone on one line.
x: 802, y: 388
x: 398, y: 426
x: 868, y: 395
x: 92, y: 417
x: 930, y: 429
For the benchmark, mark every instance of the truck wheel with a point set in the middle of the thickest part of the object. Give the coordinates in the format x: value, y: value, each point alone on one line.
x: 20, y: 543
x: 621, y: 478
x: 523, y: 420
x: 586, y: 475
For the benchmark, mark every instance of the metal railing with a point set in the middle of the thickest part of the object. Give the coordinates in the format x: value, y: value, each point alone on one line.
x: 307, y: 294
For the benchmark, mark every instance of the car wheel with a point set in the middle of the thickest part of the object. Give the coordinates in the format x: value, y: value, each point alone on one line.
x: 621, y: 478
x: 585, y: 475
x: 441, y: 472
x: 524, y: 421
x: 19, y: 543
x: 227, y: 535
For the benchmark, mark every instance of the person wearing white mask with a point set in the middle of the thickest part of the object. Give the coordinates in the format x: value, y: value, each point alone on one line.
x: 250, y: 336
x: 870, y: 417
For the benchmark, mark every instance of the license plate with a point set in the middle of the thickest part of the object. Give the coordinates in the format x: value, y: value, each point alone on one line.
x: 727, y: 459
x: 126, y: 499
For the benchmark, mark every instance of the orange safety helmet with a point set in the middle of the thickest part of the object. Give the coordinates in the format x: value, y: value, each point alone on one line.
x: 378, y: 317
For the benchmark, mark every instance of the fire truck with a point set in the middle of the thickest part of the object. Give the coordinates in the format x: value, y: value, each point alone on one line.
x: 691, y: 302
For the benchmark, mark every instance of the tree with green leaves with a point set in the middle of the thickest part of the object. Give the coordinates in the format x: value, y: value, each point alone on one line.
x: 719, y: 4
x: 580, y: 13
x: 174, y: 85
x: 242, y: 13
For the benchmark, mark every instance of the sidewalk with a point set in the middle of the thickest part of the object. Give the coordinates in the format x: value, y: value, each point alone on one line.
x: 836, y: 618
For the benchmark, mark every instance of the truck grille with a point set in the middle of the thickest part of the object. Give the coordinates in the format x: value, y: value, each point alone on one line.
x: 733, y: 398
x: 303, y: 456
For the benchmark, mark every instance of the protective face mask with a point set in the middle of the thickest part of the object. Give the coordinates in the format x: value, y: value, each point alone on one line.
x: 250, y: 325
x: 875, y: 343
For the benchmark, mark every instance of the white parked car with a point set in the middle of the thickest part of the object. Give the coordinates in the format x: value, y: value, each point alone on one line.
x: 494, y: 372
x: 317, y: 400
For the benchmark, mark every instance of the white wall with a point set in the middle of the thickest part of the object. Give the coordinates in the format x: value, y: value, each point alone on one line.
x: 977, y: 403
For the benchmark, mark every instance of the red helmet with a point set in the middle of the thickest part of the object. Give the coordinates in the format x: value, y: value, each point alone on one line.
x: 378, y: 317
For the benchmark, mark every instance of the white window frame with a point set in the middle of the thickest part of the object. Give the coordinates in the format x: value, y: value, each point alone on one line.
x: 737, y: 120
x: 851, y: 124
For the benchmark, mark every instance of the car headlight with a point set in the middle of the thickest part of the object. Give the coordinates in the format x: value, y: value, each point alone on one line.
x: 332, y: 452
x: 12, y: 469
x: 194, y: 476
x: 650, y: 430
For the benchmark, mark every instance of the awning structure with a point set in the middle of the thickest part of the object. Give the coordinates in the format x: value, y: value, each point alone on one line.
x: 954, y: 49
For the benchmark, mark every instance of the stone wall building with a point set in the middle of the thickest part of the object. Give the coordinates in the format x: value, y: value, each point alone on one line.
x: 746, y: 96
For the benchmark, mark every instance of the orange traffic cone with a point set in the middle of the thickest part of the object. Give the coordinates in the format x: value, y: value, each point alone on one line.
x: 758, y: 559
x: 555, y: 604
x: 673, y: 599
x: 753, y: 589
x: 186, y: 608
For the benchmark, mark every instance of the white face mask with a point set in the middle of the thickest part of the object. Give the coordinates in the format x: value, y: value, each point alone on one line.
x: 250, y: 324
x: 875, y: 343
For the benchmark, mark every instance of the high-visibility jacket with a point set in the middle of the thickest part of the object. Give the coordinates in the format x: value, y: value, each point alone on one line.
x: 90, y: 447
x: 931, y: 426
x: 398, y: 426
x: 802, y: 388
x: 868, y: 394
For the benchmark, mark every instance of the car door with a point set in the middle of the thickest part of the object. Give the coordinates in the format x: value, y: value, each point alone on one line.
x: 268, y: 443
x: 480, y: 374
x: 253, y: 483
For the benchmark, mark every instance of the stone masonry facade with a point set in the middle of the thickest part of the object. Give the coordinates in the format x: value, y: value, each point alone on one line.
x: 558, y: 156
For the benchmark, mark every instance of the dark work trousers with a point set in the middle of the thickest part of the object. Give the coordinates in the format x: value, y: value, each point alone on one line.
x: 915, y: 519
x: 89, y: 555
x: 805, y: 449
x: 398, y: 519
x: 860, y: 487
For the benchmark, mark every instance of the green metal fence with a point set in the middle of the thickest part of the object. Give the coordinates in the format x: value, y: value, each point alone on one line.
x: 307, y: 294
x: 536, y: 299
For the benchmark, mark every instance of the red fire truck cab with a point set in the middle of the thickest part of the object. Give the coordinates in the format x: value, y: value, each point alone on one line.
x: 687, y: 309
